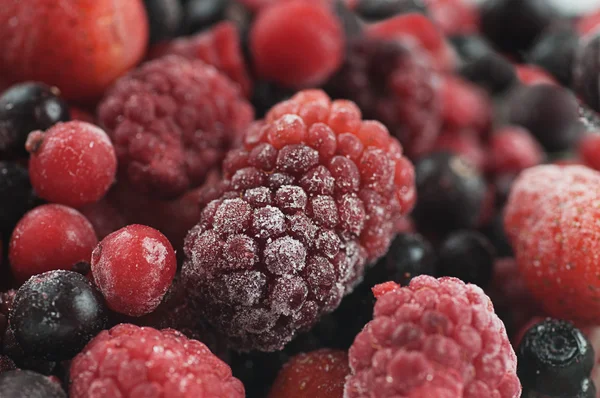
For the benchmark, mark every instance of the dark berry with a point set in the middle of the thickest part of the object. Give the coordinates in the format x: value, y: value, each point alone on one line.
x: 554, y: 358
x: 550, y: 113
x: 490, y: 71
x: 451, y: 193
x: 27, y: 384
x: 12, y: 349
x: 24, y: 108
x: 55, y: 314
x: 16, y: 195
x: 6, y: 364
x: 467, y: 255
x: 555, y: 52
x: 81, y: 267
x: 351, y: 22
x: 586, y: 68
x: 375, y: 10
x: 409, y: 255
x: 266, y: 95
x: 495, y: 233
x: 164, y: 18
x: 201, y: 14
x: 470, y: 47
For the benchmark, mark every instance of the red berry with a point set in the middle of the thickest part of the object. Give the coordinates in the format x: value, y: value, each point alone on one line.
x: 454, y: 17
x: 512, y: 149
x: 532, y: 74
x: 297, y: 44
x: 79, y: 46
x: 104, y: 217
x: 133, y: 268
x: 50, y: 237
x: 72, y: 163
x: 589, y: 24
x: 317, y: 374
x: 589, y: 150
x: 464, y: 143
x: 465, y: 105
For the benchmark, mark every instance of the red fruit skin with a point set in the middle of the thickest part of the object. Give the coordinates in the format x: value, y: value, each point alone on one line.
x: 589, y: 150
x: 104, y: 217
x: 531, y: 75
x: 588, y: 24
x: 297, y: 44
x: 454, y: 17
x: 80, y: 46
x: 73, y: 163
x: 513, y: 149
x: 50, y: 237
x: 318, y: 374
x: 133, y: 268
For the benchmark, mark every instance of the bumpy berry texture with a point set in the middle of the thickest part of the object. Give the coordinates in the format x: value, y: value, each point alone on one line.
x: 433, y: 338
x: 50, y: 237
x: 308, y: 202
x: 550, y: 219
x: 24, y: 383
x: 72, y: 163
x: 133, y: 268
x: 81, y: 47
x: 171, y: 122
x: 317, y: 374
x: 130, y: 361
x: 219, y: 46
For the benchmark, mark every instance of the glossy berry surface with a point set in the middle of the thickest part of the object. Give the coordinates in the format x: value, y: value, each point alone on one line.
x: 56, y: 313
x: 450, y: 191
x: 410, y: 255
x: 50, y: 237
x: 27, y: 107
x: 25, y: 383
x: 72, y: 163
x: 164, y: 18
x: 133, y: 268
x: 16, y: 195
x: 468, y: 256
x: 555, y: 358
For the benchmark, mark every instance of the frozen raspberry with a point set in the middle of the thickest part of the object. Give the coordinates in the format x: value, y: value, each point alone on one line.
x: 130, y: 361
x: 72, y: 163
x: 433, y: 338
x: 395, y: 84
x: 171, y: 121
x: 219, y: 46
x: 512, y: 149
x: 589, y: 150
x: 318, y: 374
x: 454, y: 16
x: 531, y: 74
x: 50, y: 237
x: 297, y: 43
x: 465, y: 106
x: 311, y: 198
x: 133, y: 268
x: 551, y: 220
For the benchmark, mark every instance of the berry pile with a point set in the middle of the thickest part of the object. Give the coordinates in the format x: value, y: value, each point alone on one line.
x: 299, y: 198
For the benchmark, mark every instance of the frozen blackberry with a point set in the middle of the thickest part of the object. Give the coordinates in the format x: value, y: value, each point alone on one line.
x: 24, y: 108
x: 468, y: 256
x: 395, y: 85
x: 376, y: 10
x: 16, y: 195
x: 555, y: 52
x: 56, y: 313
x: 451, y: 193
x: 27, y: 384
x: 409, y: 255
x: 164, y: 18
x: 555, y: 359
x: 310, y: 199
x: 586, y: 68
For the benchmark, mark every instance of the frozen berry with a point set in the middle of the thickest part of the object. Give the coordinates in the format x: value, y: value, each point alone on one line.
x: 72, y: 163
x: 549, y: 112
x: 555, y: 52
x: 128, y: 361
x: 105, y: 217
x: 454, y: 16
x: 586, y: 69
x: 375, y: 10
x: 450, y: 191
x: 317, y: 374
x: 56, y: 313
x: 554, y: 359
x: 410, y: 255
x: 297, y: 44
x: 27, y: 107
x: 164, y: 18
x: 27, y: 384
x: 589, y: 150
x: 490, y: 71
x: 6, y: 364
x: 465, y: 106
x: 50, y: 237
x: 16, y: 195
x: 133, y: 268
x: 465, y: 143
x: 533, y: 74
x: 80, y: 48
x: 512, y: 149
x: 496, y: 235
x: 171, y: 121
x: 432, y: 338
x: 468, y: 256
x: 200, y: 14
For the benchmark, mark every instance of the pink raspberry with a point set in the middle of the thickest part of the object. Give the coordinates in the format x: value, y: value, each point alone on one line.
x: 311, y: 198
x: 129, y: 361
x: 171, y: 121
x: 432, y: 338
x: 465, y: 106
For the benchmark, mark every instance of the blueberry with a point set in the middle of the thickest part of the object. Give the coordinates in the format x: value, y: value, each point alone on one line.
x: 56, y: 313
x: 27, y: 384
x: 450, y: 191
x: 467, y: 255
x: 24, y: 108
x: 555, y: 52
x: 496, y: 235
x: 554, y: 359
x: 164, y: 18
x: 586, y: 69
x: 409, y: 255
x: 12, y: 349
x: 201, y: 14
x: 375, y: 10
x: 16, y: 195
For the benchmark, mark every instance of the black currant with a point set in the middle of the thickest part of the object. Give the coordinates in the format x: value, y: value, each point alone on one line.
x: 28, y: 384
x: 164, y: 18
x: 467, y: 255
x: 409, y: 255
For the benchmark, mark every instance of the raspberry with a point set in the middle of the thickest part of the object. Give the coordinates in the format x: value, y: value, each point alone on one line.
x: 72, y: 163
x: 454, y: 17
x: 310, y: 199
x: 130, y: 361
x: 219, y: 46
x: 133, y: 268
x: 395, y: 84
x: 531, y: 74
x: 171, y: 121
x: 50, y: 237
x: 318, y: 374
x: 512, y: 149
x: 550, y: 219
x: 433, y: 338
x: 297, y: 43
x: 465, y: 106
